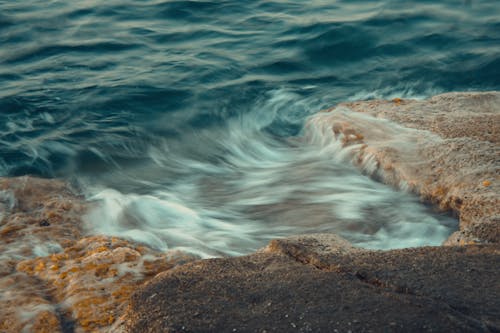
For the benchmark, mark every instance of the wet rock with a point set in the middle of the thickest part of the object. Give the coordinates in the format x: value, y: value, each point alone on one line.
x: 445, y: 148
x: 26, y: 304
x: 43, y: 218
x: 318, y: 284
x: 53, y: 278
x: 93, y: 278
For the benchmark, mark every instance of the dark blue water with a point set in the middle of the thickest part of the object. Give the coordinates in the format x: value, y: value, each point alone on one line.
x: 181, y: 101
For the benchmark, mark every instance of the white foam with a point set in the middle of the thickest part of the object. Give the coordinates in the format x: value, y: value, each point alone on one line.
x: 408, y: 92
x: 228, y: 190
x: 46, y: 248
x: 7, y: 203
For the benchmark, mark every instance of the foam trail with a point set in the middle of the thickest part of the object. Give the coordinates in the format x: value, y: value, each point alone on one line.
x: 227, y: 191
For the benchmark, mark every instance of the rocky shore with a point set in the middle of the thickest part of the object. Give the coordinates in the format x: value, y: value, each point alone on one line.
x: 446, y: 150
x: 54, y: 277
x: 320, y: 284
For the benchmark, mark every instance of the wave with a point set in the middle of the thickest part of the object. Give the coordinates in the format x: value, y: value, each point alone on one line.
x: 227, y: 191
x: 166, y: 105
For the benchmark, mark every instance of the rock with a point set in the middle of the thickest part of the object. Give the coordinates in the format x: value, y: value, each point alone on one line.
x: 445, y: 148
x: 94, y: 278
x: 26, y: 206
x: 25, y: 306
x: 309, y: 284
x: 52, y: 277
x: 43, y: 217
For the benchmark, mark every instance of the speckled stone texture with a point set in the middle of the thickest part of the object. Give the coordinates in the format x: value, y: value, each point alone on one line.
x: 312, y: 284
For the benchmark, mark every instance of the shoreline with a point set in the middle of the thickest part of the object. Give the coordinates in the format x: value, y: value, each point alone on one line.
x: 445, y: 149
x: 401, y: 142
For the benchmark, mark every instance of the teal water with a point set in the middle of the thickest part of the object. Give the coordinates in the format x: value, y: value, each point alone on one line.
x: 176, y: 115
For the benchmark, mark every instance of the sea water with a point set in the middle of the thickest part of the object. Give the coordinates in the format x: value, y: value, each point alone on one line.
x: 182, y: 120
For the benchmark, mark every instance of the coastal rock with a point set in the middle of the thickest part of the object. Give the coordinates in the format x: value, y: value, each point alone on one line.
x: 94, y: 278
x: 446, y: 149
x: 53, y: 277
x: 37, y: 217
x: 25, y: 306
x: 316, y: 284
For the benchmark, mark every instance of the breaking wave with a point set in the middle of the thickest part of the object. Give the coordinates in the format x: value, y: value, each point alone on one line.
x: 229, y: 190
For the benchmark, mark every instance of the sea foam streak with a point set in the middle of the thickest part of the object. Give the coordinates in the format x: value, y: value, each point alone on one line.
x: 227, y: 191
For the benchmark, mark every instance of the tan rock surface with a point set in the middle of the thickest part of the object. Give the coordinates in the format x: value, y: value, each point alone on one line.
x: 445, y: 148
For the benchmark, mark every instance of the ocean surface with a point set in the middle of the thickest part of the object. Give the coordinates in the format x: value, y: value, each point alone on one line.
x: 182, y: 120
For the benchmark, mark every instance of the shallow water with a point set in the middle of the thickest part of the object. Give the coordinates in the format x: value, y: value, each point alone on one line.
x: 184, y: 118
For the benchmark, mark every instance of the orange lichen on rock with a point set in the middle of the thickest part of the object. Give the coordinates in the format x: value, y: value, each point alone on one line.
x: 439, y: 192
x: 37, y: 217
x: 45, y: 322
x: 96, y: 276
x: 46, y: 266
x: 25, y: 305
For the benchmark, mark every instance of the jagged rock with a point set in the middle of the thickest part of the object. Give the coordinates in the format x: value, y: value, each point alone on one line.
x: 317, y: 284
